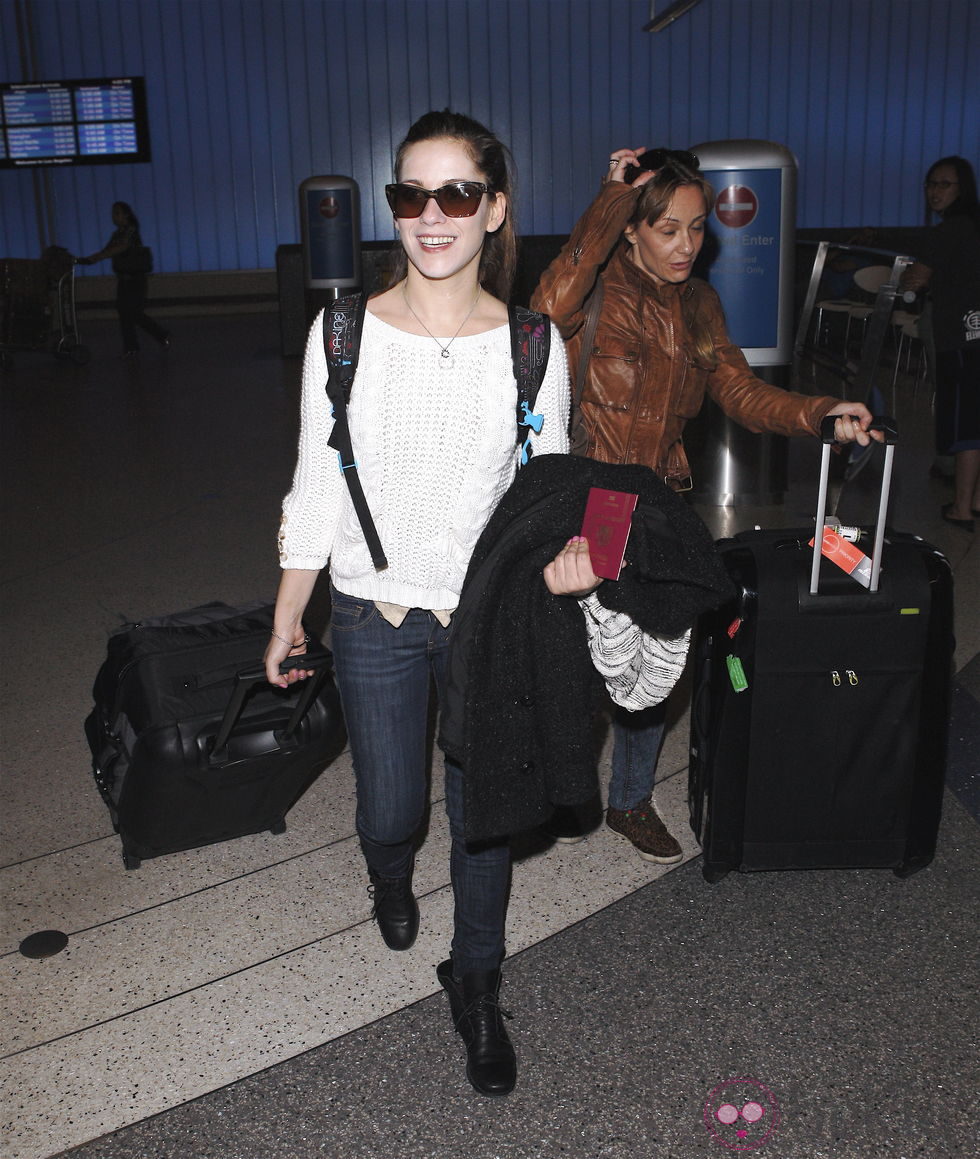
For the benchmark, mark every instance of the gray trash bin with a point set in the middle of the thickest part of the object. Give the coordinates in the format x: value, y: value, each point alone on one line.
x: 330, y: 225
x: 748, y: 257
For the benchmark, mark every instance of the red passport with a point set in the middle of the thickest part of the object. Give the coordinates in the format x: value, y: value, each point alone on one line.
x: 607, y: 528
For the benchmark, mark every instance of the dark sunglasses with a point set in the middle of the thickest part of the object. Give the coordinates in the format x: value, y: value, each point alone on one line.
x: 654, y: 159
x: 457, y: 199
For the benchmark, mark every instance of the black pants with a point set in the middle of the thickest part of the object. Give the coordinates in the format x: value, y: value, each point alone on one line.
x: 130, y: 302
x: 958, y: 400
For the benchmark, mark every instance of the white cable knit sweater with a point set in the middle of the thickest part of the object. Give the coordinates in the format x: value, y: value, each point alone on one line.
x: 435, y: 442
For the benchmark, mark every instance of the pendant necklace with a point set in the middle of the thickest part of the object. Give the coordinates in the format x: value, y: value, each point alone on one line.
x: 443, y: 350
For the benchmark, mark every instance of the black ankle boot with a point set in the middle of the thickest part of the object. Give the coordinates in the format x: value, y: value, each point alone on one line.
x: 491, y: 1065
x: 395, y: 910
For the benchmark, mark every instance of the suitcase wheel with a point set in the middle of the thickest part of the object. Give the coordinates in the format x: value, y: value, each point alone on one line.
x: 913, y: 865
x: 131, y: 861
x: 278, y: 826
x: 712, y: 874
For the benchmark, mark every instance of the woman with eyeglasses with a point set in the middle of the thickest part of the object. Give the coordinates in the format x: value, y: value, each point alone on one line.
x: 432, y: 416
x: 646, y: 343
x: 948, y: 266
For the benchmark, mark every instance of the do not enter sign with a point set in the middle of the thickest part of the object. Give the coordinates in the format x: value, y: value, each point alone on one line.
x: 736, y: 206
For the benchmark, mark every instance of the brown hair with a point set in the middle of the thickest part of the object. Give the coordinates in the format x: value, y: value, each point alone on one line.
x: 498, y: 259
x: 653, y: 202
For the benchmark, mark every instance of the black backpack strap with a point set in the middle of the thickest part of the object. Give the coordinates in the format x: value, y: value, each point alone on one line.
x: 530, y: 344
x: 343, y: 321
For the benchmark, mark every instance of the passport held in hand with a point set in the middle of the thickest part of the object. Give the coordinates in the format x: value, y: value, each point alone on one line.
x: 607, y: 528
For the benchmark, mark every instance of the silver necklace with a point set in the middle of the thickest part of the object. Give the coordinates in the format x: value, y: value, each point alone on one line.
x: 444, y: 350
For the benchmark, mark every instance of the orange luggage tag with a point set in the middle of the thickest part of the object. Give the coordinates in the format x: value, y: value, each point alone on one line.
x: 846, y: 555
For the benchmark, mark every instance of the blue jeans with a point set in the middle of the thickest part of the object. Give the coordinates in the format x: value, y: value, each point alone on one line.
x: 383, y: 675
x: 637, y: 738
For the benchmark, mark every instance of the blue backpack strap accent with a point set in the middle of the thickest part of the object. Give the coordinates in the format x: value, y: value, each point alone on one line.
x: 343, y: 321
x: 530, y: 345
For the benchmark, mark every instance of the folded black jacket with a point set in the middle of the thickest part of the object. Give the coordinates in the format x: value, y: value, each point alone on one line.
x: 522, y: 689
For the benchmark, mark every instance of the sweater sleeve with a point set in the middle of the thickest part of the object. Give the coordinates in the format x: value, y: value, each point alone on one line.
x: 639, y: 669
x: 748, y: 400
x: 311, y: 510
x: 553, y: 401
x: 568, y: 281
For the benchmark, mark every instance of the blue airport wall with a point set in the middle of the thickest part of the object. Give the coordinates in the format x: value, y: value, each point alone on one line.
x: 247, y: 98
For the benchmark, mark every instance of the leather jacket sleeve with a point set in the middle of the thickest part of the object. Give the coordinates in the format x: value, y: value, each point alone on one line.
x: 568, y: 281
x: 748, y: 400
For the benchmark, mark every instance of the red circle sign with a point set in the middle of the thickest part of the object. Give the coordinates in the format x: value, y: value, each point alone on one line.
x: 736, y: 206
x: 329, y: 206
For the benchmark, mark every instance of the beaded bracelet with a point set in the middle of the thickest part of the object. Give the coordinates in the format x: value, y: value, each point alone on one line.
x: 305, y: 640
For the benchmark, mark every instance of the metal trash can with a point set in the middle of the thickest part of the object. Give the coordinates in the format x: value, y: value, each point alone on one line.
x: 330, y: 224
x: 748, y: 258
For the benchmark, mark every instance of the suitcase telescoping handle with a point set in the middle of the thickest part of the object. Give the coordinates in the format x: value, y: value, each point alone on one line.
x: 888, y: 426
x: 247, y: 678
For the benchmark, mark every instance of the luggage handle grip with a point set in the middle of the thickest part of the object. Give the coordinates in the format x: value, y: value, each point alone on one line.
x: 883, y: 423
x: 249, y: 677
x: 889, y: 427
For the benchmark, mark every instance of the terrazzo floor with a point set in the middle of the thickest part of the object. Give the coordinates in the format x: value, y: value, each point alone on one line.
x: 135, y: 488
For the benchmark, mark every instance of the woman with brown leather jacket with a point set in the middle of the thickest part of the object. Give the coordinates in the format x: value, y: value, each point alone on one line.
x: 660, y: 345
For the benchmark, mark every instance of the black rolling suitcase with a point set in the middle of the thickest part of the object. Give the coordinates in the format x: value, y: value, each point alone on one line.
x: 191, y: 744
x: 821, y: 708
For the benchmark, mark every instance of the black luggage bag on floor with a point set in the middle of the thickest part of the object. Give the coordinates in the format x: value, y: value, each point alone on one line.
x: 191, y: 744
x: 821, y: 708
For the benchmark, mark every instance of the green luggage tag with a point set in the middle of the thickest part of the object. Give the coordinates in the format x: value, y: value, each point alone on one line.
x: 736, y: 673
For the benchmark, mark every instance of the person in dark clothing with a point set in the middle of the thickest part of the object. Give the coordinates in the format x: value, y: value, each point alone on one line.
x: 126, y: 249
x: 949, y: 266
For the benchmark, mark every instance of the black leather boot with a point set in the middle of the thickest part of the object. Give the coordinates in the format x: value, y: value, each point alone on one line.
x: 395, y: 910
x: 491, y: 1065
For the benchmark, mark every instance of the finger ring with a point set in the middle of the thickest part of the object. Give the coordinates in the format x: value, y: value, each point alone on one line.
x: 613, y: 160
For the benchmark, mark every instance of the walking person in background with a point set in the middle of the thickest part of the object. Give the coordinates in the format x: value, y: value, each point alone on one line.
x: 948, y: 266
x: 432, y: 418
x: 131, y: 263
x: 657, y: 344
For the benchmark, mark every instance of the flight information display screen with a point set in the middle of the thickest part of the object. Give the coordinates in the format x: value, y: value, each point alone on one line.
x: 100, y: 121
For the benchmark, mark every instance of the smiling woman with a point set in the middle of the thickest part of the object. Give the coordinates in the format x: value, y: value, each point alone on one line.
x: 482, y: 159
x: 444, y: 250
x: 432, y: 422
